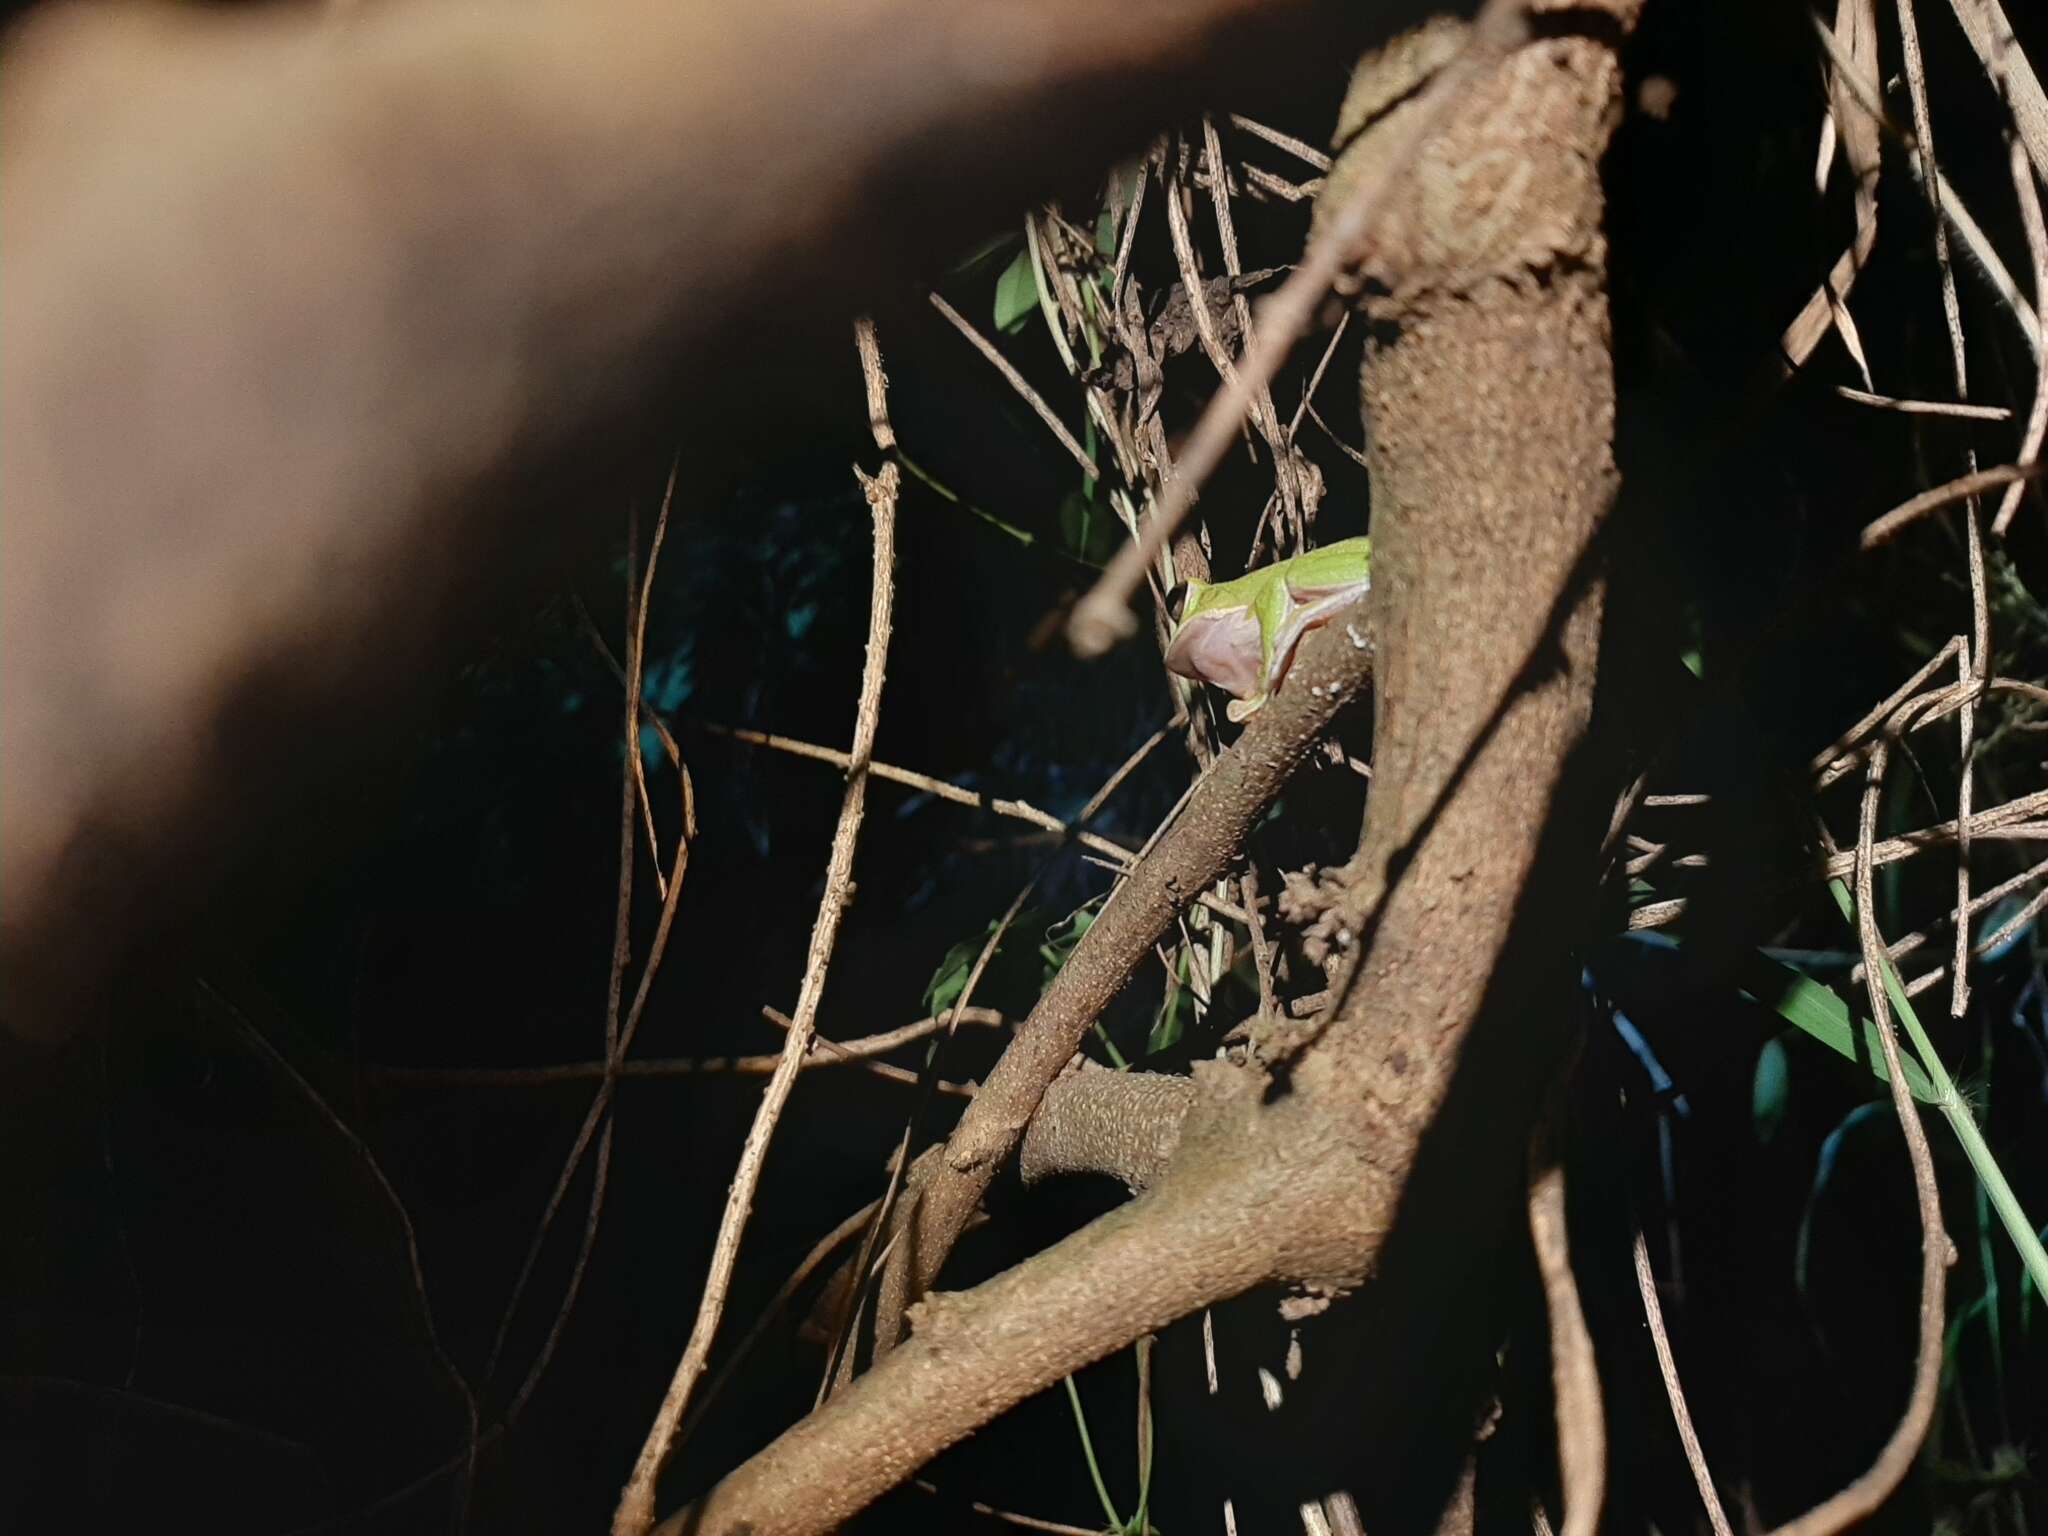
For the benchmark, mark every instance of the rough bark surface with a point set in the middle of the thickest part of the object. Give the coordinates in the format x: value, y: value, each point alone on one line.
x: 1393, y: 1136
x: 1124, y: 1124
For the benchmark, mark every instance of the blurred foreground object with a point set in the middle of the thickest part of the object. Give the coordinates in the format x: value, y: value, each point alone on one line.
x: 307, y: 315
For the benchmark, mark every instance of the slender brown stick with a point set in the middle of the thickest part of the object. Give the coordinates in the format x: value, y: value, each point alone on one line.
x: 615, y: 974
x: 830, y: 1053
x: 618, y: 1034
x: 1863, y: 1496
x: 822, y: 1250
x: 1120, y: 857
x: 1019, y: 383
x: 1879, y: 529
x: 414, y: 1269
x: 1936, y: 190
x: 1854, y: 37
x: 600, y: 1103
x: 2015, y: 813
x: 637, y: 658
x: 635, y: 1514
x: 1924, y: 407
x: 1667, y: 1366
x: 1991, y: 38
x: 1902, y: 947
x: 1307, y: 154
x: 1974, y: 662
x: 2037, y: 249
x: 1834, y: 756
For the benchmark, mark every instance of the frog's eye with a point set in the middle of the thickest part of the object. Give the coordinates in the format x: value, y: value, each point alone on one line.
x: 1177, y: 602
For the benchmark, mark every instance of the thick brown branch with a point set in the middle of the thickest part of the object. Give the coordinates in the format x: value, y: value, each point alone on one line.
x: 1125, y: 1124
x: 1492, y: 411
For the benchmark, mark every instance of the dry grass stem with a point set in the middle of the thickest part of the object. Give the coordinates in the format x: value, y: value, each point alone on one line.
x: 1880, y: 529
x: 1987, y: 262
x: 1962, y: 412
x: 1674, y: 1390
x: 1991, y: 39
x: 2037, y: 412
x: 1019, y: 383
x: 1868, y: 1491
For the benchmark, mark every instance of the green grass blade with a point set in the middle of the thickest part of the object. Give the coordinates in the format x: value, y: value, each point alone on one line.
x: 2024, y: 1235
x: 1116, y: 1521
x: 1817, y: 1011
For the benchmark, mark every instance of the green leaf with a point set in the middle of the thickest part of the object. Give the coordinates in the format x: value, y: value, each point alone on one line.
x: 1063, y: 935
x: 1166, y: 1028
x: 1016, y: 294
x: 1105, y: 231
x: 993, y: 246
x: 1807, y: 1005
x: 1865, y: 1133
x: 1118, y: 195
x: 1089, y: 533
x: 949, y: 981
x: 1769, y: 1090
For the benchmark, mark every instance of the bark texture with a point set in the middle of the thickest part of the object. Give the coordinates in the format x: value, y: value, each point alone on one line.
x: 1388, y: 1141
x: 1124, y: 1124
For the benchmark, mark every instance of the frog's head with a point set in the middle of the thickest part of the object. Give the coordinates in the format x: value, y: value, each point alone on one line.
x: 1215, y: 639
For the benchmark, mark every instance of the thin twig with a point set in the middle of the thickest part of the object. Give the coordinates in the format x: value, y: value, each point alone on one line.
x: 1991, y: 38
x: 2037, y: 249
x: 822, y: 1250
x: 635, y: 1515
x: 2008, y: 819
x: 1315, y: 379
x: 1879, y: 529
x: 875, y: 383
x: 1018, y: 382
x: 1885, y: 711
x: 618, y: 1033
x: 1307, y: 154
x: 1900, y: 948
x: 1257, y: 178
x: 1120, y: 857
x: 1263, y: 409
x: 600, y: 1103
x: 1964, y: 412
x: 1938, y: 191
x: 1656, y: 914
x: 1973, y: 664
x: 1667, y: 1367
x: 1854, y: 37
x: 637, y: 666
x: 829, y: 1053
x: 260, y: 1043
x: 1869, y: 1490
